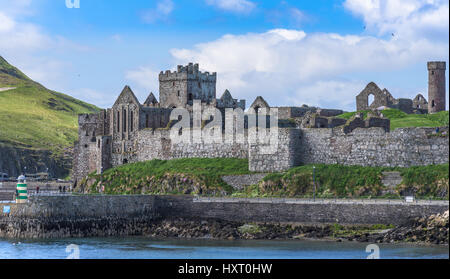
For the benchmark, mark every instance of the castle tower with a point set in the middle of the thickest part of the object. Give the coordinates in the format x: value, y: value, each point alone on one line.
x: 179, y: 88
x: 436, y: 86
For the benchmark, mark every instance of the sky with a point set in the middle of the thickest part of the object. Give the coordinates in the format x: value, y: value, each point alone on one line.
x: 320, y: 53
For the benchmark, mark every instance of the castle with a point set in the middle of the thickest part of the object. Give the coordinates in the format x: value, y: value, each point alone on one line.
x: 132, y: 132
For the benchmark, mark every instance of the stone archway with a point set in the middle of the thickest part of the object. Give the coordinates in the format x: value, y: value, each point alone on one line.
x: 379, y: 98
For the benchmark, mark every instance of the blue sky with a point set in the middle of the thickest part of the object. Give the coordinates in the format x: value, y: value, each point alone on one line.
x: 320, y: 53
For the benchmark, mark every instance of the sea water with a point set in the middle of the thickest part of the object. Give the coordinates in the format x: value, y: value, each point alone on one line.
x: 150, y: 248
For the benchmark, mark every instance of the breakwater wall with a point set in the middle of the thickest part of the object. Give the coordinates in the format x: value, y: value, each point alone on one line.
x: 78, y: 216
x: 81, y: 216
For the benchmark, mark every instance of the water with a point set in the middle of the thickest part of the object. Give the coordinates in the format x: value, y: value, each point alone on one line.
x: 147, y: 248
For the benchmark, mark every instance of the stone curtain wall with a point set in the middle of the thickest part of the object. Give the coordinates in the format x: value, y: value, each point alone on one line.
x: 156, y: 144
x: 286, y: 155
x: 83, y: 216
x: 402, y: 147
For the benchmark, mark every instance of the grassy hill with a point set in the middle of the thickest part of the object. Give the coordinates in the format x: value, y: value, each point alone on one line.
x: 399, y: 119
x: 34, y: 117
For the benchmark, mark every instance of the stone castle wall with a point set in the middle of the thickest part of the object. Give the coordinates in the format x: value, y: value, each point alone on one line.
x: 284, y: 156
x: 402, y: 147
x: 157, y: 144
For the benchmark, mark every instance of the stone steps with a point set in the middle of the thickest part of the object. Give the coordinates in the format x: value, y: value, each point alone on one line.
x: 240, y: 181
x: 391, y: 178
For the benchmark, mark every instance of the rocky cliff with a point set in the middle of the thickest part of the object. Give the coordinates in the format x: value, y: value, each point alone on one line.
x: 13, y: 160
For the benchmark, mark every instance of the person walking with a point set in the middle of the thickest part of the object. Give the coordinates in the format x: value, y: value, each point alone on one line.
x: 37, y: 189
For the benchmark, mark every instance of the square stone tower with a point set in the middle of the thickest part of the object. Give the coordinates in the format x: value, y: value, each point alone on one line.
x: 436, y: 86
x: 177, y: 89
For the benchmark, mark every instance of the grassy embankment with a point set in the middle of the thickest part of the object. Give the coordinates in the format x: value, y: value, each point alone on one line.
x: 399, y: 119
x: 351, y: 182
x: 203, y: 176
x: 180, y: 176
x: 34, y: 117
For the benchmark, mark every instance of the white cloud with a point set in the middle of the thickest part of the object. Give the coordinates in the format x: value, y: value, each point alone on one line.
x: 21, y: 36
x: 236, y: 6
x: 6, y: 23
x: 291, y: 67
x: 27, y: 46
x: 163, y: 9
x: 297, y: 15
x: 92, y: 96
x: 145, y: 80
x: 405, y: 18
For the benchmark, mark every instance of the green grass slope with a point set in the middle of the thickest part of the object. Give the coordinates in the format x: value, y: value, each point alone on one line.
x: 202, y: 176
x: 178, y: 176
x: 352, y: 182
x: 399, y: 119
x: 34, y: 117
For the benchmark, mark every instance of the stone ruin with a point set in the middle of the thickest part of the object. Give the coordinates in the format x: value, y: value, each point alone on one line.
x: 131, y: 132
x: 419, y: 105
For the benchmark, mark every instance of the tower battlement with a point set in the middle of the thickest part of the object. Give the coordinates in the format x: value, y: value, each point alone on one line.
x: 190, y: 71
x: 179, y: 88
x: 436, y: 65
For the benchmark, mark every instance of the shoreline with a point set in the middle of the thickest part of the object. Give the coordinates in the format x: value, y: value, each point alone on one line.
x: 215, y: 229
x: 185, y: 217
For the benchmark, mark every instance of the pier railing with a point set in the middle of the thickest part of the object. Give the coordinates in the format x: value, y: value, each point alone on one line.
x: 317, y: 201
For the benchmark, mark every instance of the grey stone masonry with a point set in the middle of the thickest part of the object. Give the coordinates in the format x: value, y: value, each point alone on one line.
x: 391, y: 178
x: 284, y: 156
x: 402, y: 147
x: 84, y: 216
x: 436, y: 86
x: 240, y: 181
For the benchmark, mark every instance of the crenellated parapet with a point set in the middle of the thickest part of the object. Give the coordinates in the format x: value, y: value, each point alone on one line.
x: 190, y: 71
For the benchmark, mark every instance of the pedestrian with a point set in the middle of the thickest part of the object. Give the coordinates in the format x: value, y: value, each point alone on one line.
x: 64, y: 189
x: 37, y: 189
x: 59, y: 188
x: 17, y: 194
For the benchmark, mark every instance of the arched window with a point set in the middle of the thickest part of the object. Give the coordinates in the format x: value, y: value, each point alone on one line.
x: 131, y: 121
x: 124, y: 120
x: 432, y: 103
x: 118, y: 121
x: 370, y: 99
